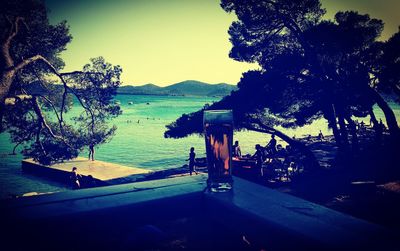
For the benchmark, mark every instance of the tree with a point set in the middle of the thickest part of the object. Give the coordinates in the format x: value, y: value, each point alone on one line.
x: 289, y: 37
x: 249, y: 111
x: 387, y: 67
x: 309, y: 69
x: 35, y: 95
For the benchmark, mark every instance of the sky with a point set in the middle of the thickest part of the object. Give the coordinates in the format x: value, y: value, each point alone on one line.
x: 169, y: 41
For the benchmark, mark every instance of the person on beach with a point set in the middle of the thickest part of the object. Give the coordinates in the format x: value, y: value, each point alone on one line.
x: 75, y: 178
x: 271, y: 146
x: 258, y: 155
x: 320, y: 135
x: 191, y: 159
x: 383, y: 127
x: 91, y: 151
x: 236, y: 152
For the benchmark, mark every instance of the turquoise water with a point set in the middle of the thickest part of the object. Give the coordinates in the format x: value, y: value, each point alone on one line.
x: 142, y: 144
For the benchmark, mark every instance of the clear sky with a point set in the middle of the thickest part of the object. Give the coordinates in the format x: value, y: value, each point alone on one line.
x: 168, y: 41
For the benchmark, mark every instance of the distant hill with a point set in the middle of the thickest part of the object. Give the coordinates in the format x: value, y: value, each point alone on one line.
x: 185, y: 88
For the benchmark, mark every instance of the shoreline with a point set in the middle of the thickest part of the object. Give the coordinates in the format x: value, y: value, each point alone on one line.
x: 366, y: 196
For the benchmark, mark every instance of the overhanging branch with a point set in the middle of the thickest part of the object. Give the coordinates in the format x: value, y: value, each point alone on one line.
x: 43, y: 122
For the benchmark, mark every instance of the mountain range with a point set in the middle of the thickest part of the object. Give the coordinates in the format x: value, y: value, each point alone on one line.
x: 185, y: 88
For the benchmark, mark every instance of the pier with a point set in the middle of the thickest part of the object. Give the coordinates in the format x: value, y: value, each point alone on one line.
x: 103, y: 173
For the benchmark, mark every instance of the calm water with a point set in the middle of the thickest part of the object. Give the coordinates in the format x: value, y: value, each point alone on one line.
x: 141, y: 144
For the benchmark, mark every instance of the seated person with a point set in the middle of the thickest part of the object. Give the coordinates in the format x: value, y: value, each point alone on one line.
x: 281, y: 151
x: 75, y: 178
x: 236, y: 152
x: 271, y: 146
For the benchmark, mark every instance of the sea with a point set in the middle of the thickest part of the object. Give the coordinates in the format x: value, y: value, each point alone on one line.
x: 139, y: 141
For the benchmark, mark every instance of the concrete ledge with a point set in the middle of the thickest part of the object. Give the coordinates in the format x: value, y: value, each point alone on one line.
x: 267, y: 218
x: 279, y: 220
x: 101, y: 198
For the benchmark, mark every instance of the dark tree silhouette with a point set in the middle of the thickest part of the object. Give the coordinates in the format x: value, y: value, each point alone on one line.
x: 310, y: 69
x: 35, y: 95
x: 327, y: 57
x: 386, y: 69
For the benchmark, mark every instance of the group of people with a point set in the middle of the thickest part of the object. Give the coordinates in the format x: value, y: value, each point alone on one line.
x: 262, y: 152
x: 270, y: 148
x: 259, y: 155
x: 362, y: 126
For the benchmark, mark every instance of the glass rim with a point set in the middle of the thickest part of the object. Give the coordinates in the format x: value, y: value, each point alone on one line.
x: 218, y: 111
x: 218, y: 116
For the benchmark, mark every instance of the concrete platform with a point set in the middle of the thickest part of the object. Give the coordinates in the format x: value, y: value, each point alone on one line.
x: 101, y: 171
x: 102, y: 218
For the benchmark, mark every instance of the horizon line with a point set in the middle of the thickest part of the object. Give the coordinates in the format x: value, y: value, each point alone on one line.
x: 149, y: 83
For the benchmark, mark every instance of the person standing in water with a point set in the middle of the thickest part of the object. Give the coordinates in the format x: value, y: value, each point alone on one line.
x: 91, y: 151
x: 192, y: 157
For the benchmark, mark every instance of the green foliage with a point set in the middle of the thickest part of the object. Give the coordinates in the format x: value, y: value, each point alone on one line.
x: 309, y: 67
x: 36, y: 36
x: 48, y: 149
x: 387, y: 67
x: 42, y: 95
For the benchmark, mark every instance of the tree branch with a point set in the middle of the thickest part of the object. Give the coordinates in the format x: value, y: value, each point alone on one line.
x: 87, y: 109
x: 13, y: 100
x: 60, y: 122
x: 59, y: 119
x: 25, y: 62
x: 5, y: 47
x: 38, y: 138
x: 80, y: 72
x: 52, y: 68
x: 43, y: 122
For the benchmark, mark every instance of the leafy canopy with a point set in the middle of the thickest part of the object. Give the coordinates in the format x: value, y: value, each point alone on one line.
x: 37, y: 95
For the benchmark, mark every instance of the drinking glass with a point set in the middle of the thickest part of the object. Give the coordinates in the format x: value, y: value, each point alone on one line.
x: 218, y: 131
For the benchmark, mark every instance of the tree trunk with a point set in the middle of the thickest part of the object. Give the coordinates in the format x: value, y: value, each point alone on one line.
x: 343, y: 130
x: 373, y: 118
x: 341, y: 115
x: 389, y: 114
x: 7, y: 77
x: 377, y: 127
x: 353, y: 131
x: 330, y: 115
x: 7, y: 63
x: 15, y: 148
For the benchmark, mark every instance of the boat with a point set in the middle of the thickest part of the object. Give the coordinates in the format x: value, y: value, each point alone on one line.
x: 130, y: 103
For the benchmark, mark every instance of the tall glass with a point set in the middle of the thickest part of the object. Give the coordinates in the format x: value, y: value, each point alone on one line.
x: 218, y: 131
